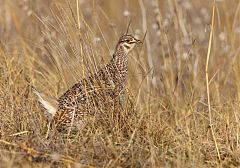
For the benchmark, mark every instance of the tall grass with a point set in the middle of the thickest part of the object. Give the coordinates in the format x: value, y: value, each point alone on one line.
x: 165, y: 121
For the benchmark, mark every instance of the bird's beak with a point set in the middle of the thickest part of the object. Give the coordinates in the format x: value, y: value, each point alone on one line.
x: 138, y: 41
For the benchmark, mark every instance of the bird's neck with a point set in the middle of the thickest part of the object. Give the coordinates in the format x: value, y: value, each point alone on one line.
x: 120, y: 58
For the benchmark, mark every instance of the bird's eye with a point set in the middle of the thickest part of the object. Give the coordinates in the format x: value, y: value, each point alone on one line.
x: 128, y: 41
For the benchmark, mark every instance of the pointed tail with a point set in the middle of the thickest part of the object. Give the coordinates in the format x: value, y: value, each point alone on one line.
x: 49, y: 103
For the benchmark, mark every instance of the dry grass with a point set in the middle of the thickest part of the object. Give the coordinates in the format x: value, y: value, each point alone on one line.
x: 168, y: 120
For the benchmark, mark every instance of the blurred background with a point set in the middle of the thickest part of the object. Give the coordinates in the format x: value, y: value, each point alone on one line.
x: 54, y: 44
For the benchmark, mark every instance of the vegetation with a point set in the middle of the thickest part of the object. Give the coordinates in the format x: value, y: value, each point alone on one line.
x: 170, y: 118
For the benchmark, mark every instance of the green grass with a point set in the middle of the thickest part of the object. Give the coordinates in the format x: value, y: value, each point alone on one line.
x: 165, y: 122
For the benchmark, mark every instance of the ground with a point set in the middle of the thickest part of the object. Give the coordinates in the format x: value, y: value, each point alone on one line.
x: 170, y: 117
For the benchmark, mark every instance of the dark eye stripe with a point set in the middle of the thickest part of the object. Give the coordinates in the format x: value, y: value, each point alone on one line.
x: 128, y: 41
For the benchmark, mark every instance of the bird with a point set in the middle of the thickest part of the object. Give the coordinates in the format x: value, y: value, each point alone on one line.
x: 92, y: 95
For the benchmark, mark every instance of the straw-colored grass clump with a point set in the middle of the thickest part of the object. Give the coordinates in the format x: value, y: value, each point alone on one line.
x: 170, y: 117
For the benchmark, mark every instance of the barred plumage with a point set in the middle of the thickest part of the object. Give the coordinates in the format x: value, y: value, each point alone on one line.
x: 91, y: 95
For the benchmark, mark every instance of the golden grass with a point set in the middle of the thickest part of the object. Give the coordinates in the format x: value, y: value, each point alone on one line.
x: 182, y: 105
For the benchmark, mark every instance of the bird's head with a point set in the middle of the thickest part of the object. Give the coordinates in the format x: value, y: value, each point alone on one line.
x: 127, y: 42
